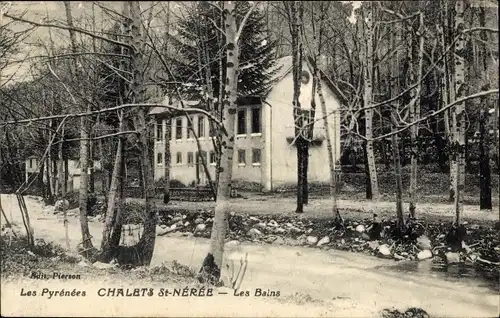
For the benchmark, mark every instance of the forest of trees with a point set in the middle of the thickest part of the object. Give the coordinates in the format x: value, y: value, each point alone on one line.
x: 419, y: 73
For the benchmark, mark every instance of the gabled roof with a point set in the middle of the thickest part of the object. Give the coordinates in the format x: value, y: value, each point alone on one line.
x: 286, y: 64
x: 283, y: 67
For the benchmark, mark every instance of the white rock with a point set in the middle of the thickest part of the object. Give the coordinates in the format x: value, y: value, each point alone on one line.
x: 273, y: 223
x: 279, y: 241
x: 312, y: 240
x: 295, y: 229
x: 83, y: 264
x: 425, y: 254
x: 100, y: 265
x: 399, y: 257
x: 424, y: 243
x: 360, y: 228
x: 373, y: 244
x: 254, y: 233
x: 198, y: 221
x: 60, y: 204
x: 384, y: 250
x: 186, y: 224
x: 253, y: 218
x: 260, y: 225
x: 280, y: 230
x: 309, y: 231
x: 200, y: 227
x: 160, y: 230
x: 323, y: 241
x: 176, y: 219
x: 452, y: 257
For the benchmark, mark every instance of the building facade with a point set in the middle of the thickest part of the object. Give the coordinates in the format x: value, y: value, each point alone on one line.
x: 264, y: 147
x: 74, y: 171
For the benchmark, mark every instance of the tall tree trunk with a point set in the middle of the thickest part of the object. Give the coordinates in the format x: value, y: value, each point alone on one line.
x: 212, y: 264
x: 92, y: 168
x: 332, y: 154
x: 415, y: 115
x: 399, y: 182
x: 107, y: 249
x: 50, y: 196
x: 460, y: 91
x: 450, y: 97
x: 485, y: 202
x: 367, y: 98
x: 84, y: 143
x: 295, y: 22
x: 396, y: 155
x: 145, y: 246
x: 168, y: 158
x: 61, y: 174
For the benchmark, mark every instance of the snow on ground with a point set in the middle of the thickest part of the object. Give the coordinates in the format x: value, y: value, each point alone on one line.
x: 339, y: 283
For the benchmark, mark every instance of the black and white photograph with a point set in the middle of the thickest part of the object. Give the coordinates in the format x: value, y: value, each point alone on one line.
x: 249, y: 159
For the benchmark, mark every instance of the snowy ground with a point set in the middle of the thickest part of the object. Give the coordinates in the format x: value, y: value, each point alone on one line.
x: 338, y: 283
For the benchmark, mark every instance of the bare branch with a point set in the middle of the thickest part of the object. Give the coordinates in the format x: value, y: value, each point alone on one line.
x: 174, y: 110
x: 240, y: 29
x: 63, y: 27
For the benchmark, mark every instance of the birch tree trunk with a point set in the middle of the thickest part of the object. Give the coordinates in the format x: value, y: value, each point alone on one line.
x: 367, y: 98
x: 449, y: 68
x: 212, y: 264
x: 84, y: 143
x: 331, y: 153
x: 459, y: 114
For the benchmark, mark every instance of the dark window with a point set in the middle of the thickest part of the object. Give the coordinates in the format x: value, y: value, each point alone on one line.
x: 201, y: 126
x: 242, y: 156
x: 190, y: 128
x: 178, y: 128
x: 179, y: 158
x: 242, y: 122
x: 255, y: 156
x: 212, y: 157
x: 159, y: 130
x: 204, y: 156
x: 159, y: 158
x: 307, y: 119
x: 190, y: 158
x: 31, y: 163
x: 256, y: 121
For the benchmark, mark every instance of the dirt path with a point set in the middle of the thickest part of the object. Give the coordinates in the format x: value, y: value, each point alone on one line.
x: 342, y: 283
x: 321, y: 207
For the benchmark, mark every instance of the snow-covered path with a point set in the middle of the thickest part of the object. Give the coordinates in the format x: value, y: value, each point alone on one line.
x: 348, y: 284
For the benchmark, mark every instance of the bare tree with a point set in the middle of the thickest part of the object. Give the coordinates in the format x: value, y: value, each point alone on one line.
x: 367, y: 99
x: 212, y: 264
x: 84, y: 143
x: 459, y: 111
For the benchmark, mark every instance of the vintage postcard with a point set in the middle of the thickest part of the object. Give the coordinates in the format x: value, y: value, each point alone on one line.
x: 249, y: 158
